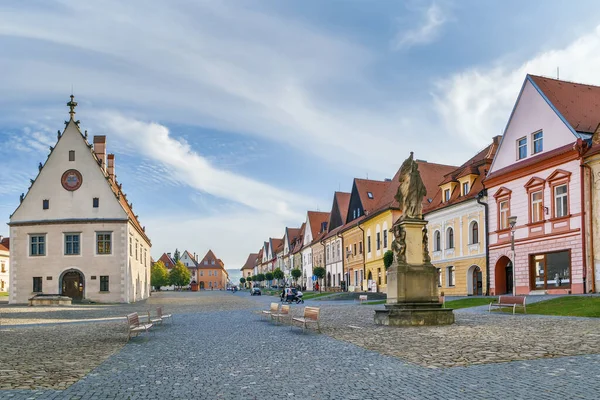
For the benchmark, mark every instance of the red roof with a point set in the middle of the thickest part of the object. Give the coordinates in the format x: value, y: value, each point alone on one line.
x: 209, y: 258
x: 251, y: 261
x: 277, y: 246
x: 168, y: 261
x: 300, y: 240
x: 477, y: 165
x: 343, y: 202
x: 578, y: 103
x: 376, y: 190
x: 316, y: 220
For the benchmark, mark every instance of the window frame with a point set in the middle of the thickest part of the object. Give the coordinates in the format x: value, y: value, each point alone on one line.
x: 369, y: 244
x: 66, y: 243
x: 105, y: 283
x: 46, y: 204
x: 37, y: 284
x: 96, y: 202
x: 503, y: 226
x: 532, y: 274
x: 437, y: 240
x: 104, y: 241
x: 71, y: 155
x: 534, y: 141
x: 532, y: 206
x: 449, y: 238
x: 474, y: 232
x: 450, y: 276
x: 465, y: 188
x: 519, y: 147
x: 38, y: 244
x: 566, y: 213
x: 385, y: 239
x: 378, y: 240
x: 447, y: 195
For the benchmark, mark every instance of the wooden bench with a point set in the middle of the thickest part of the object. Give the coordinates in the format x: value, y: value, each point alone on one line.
x: 135, y: 326
x: 273, y: 310
x: 309, y: 316
x: 509, y: 301
x: 361, y: 298
x: 159, y: 314
x: 284, y: 313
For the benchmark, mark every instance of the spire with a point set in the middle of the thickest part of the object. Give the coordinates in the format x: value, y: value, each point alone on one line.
x: 72, y: 104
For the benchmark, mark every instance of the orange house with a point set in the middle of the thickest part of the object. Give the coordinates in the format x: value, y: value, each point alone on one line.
x: 211, y: 273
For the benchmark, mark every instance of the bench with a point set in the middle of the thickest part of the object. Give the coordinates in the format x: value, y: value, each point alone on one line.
x: 361, y: 298
x: 272, y: 310
x: 159, y: 314
x: 284, y: 313
x: 309, y: 316
x: 509, y: 301
x: 135, y: 326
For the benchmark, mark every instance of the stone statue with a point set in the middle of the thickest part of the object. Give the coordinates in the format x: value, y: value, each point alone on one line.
x: 426, y: 257
x: 399, y: 244
x: 411, y: 190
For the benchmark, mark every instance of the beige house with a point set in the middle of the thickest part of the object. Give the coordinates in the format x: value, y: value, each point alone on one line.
x: 75, y: 232
x: 4, y: 263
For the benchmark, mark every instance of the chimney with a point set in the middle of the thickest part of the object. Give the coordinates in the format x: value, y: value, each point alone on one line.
x: 100, y: 149
x: 169, y: 255
x: 110, y: 166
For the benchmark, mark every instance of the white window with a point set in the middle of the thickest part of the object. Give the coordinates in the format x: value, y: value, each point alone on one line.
x: 504, y: 211
x: 447, y: 195
x: 37, y: 245
x: 103, y: 243
x: 561, y: 201
x: 437, y: 241
x: 450, y: 275
x: 538, y: 142
x: 465, y: 188
x: 370, y: 195
x: 450, y: 238
x: 474, y: 232
x: 521, y: 148
x: 71, y: 244
x: 536, y: 207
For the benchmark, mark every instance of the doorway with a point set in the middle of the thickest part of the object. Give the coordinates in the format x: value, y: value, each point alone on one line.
x: 503, y: 276
x: 201, y: 285
x: 477, y: 280
x: 73, y: 285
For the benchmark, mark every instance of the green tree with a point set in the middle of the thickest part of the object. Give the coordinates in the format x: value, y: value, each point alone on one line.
x: 249, y: 279
x: 320, y: 273
x: 388, y: 258
x: 260, y: 278
x: 180, y: 275
x: 159, y: 275
x: 242, y: 280
x: 176, y: 256
x: 278, y: 274
x: 296, y: 273
x: 269, y: 276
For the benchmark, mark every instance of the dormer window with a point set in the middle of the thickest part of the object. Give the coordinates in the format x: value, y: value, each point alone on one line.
x: 465, y: 186
x: 521, y: 148
x: 370, y: 195
x: 447, y: 195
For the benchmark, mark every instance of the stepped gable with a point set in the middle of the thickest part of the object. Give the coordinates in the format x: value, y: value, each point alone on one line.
x: 578, y: 103
x: 477, y: 165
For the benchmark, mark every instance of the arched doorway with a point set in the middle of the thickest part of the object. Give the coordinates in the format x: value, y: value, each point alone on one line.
x: 503, y: 281
x: 474, y: 281
x: 201, y: 285
x: 72, y: 284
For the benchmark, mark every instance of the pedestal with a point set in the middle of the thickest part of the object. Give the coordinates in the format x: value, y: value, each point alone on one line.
x: 412, y: 292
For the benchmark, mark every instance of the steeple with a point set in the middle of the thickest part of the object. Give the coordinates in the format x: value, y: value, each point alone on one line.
x: 72, y: 104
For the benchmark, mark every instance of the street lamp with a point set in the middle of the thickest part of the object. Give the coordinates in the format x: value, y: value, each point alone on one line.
x: 512, y: 222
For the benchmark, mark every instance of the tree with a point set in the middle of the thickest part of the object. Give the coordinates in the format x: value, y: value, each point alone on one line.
x: 296, y: 273
x: 177, y: 256
x: 242, y: 280
x: 159, y: 275
x: 249, y: 279
x: 269, y: 276
x: 278, y: 274
x: 180, y: 275
x: 260, y: 277
x: 320, y: 273
x: 388, y: 258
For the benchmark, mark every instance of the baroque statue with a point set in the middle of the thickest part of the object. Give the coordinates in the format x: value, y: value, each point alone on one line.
x: 411, y: 190
x: 399, y: 243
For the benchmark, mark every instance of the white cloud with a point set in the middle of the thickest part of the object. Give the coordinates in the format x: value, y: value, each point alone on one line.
x: 475, y: 104
x: 433, y: 20
x: 154, y: 142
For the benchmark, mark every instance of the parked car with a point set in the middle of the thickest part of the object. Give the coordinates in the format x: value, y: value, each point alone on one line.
x: 255, y: 291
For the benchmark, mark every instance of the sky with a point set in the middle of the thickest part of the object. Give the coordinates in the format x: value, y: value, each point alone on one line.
x: 231, y: 119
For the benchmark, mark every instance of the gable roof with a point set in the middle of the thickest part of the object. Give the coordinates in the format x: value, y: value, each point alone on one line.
x: 316, y: 219
x: 209, y: 257
x: 5, y: 244
x: 276, y: 246
x: 300, y: 240
x: 577, y: 103
x: 343, y: 202
x: 191, y: 257
x: 477, y: 165
x: 250, y: 261
x: 291, y: 234
x: 168, y: 261
x: 376, y: 188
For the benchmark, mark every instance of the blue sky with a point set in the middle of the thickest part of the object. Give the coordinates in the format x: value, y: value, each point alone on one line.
x: 231, y: 119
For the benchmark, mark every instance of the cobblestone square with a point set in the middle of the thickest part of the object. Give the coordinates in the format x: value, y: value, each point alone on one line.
x: 218, y: 347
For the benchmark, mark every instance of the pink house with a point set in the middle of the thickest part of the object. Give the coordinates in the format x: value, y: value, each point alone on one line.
x: 538, y: 176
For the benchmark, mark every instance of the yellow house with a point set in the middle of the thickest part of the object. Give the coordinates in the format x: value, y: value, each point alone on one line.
x: 456, y: 227
x: 354, y: 262
x: 378, y: 224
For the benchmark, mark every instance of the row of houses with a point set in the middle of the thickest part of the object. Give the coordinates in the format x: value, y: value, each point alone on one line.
x: 519, y: 216
x: 209, y: 272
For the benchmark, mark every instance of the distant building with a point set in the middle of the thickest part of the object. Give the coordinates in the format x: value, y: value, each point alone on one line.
x: 212, y: 274
x: 248, y: 268
x: 75, y: 232
x: 4, y: 263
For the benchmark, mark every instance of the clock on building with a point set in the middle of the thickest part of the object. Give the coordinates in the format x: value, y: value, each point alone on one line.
x: 71, y: 180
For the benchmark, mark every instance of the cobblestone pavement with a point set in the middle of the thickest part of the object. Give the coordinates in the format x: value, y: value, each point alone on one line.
x: 233, y: 354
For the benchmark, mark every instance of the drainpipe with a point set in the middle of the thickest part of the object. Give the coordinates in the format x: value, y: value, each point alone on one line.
x: 480, y: 195
x: 324, y: 262
x: 364, y: 248
x: 342, y: 254
x: 585, y: 166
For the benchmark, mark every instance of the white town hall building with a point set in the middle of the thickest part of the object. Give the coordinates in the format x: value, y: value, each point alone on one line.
x: 74, y: 232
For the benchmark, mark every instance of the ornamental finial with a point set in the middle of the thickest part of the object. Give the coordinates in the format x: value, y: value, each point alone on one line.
x: 72, y: 104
